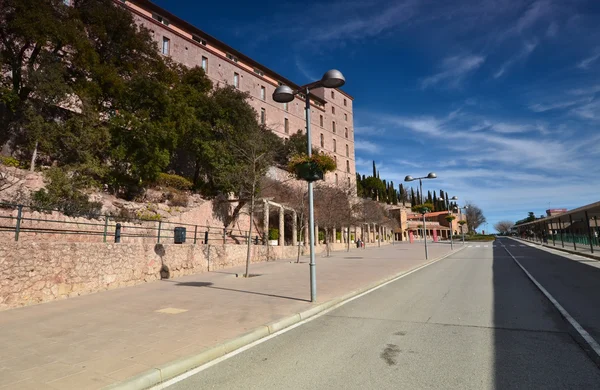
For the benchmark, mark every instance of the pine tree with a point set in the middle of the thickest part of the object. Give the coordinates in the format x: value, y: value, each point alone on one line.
x: 374, y: 169
x: 419, y: 197
x: 413, y: 199
x: 442, y: 202
x: 436, y: 202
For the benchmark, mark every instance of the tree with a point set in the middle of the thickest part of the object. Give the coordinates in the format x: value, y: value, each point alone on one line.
x: 333, y: 209
x: 474, y: 216
x: 374, y: 169
x: 373, y: 187
x: 503, y: 227
x: 530, y: 218
x: 413, y: 199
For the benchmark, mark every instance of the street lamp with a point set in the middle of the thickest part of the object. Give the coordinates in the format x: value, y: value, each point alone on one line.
x: 451, y: 229
x: 430, y: 175
x: 283, y: 94
x: 424, y: 210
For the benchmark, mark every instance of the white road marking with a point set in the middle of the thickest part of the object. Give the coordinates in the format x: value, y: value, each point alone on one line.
x: 582, y: 332
x: 231, y: 354
x: 522, y: 245
x: 470, y: 246
x: 486, y: 246
x: 477, y: 246
x: 513, y: 245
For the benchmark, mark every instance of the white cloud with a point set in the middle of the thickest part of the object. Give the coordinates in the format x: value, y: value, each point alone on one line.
x: 585, y: 90
x: 528, y: 48
x: 368, y: 130
x: 366, y: 146
x: 454, y: 70
x: 305, y: 71
x: 586, y: 62
x: 588, y: 111
x: 540, y: 107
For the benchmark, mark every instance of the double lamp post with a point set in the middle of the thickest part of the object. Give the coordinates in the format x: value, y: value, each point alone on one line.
x: 283, y: 94
x: 424, y: 211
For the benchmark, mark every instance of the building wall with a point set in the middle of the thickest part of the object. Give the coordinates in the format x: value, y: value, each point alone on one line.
x: 220, y: 69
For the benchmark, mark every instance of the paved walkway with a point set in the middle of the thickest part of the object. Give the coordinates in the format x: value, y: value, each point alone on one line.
x: 95, y: 340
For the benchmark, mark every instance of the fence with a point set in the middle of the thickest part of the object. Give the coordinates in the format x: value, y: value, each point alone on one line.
x: 20, y: 222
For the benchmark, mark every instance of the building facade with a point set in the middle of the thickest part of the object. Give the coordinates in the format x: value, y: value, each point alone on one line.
x: 331, y: 109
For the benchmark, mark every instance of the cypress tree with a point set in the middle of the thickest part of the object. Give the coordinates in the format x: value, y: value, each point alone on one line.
x: 374, y: 169
x: 413, y: 199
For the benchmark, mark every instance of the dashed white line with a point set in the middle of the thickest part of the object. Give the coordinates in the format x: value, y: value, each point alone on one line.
x: 522, y: 245
x: 513, y: 245
x: 477, y: 246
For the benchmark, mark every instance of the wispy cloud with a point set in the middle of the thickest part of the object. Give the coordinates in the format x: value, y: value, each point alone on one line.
x: 305, y: 71
x: 366, y: 146
x: 586, y: 62
x: 588, y: 111
x: 368, y: 130
x: 453, y: 71
x: 527, y: 49
x: 541, y: 107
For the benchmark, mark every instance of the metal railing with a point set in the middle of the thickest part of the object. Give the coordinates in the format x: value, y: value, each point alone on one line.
x: 22, y: 221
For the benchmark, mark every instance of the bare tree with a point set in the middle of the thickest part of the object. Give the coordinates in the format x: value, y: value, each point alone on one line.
x: 474, y: 216
x: 293, y: 195
x: 503, y: 226
x: 332, y: 210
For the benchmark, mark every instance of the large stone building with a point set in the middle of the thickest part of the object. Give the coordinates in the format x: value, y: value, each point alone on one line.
x: 331, y: 113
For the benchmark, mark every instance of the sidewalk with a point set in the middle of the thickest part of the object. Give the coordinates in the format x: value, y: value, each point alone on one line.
x: 100, y: 339
x: 581, y: 249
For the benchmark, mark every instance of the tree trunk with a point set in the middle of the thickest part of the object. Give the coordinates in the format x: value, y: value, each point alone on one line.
x: 34, y: 157
x: 250, y: 232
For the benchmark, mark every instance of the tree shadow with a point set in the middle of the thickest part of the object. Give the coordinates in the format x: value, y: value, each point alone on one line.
x: 210, y: 285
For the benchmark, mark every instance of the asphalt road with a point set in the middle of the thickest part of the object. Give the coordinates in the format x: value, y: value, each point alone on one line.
x: 471, y: 321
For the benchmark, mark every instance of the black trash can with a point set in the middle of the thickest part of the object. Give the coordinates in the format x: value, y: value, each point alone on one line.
x: 179, y: 235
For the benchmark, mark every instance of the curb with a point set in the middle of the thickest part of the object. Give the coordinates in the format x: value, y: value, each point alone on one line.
x: 165, y: 372
x: 572, y: 252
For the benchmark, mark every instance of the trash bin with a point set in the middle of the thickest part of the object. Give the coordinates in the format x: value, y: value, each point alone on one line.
x: 179, y: 235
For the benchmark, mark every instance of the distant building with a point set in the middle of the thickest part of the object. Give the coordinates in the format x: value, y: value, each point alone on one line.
x: 332, y: 117
x: 410, y: 222
x: 553, y: 212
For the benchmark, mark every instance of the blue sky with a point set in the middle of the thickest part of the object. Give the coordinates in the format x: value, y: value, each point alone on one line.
x: 500, y: 98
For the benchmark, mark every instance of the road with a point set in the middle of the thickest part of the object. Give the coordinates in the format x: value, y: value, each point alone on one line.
x: 470, y: 321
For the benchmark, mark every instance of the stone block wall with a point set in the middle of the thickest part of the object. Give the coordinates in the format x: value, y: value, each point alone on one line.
x: 35, y: 272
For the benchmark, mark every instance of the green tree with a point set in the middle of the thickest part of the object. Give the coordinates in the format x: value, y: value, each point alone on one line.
x: 374, y: 169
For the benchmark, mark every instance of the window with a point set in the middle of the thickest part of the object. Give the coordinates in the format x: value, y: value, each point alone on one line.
x: 259, y: 72
x: 333, y: 126
x: 236, y: 80
x: 199, y: 40
x: 166, y: 46
x: 334, y: 146
x: 345, y: 103
x: 348, y: 182
x: 205, y: 64
x: 322, y: 141
x: 160, y: 19
x: 347, y: 166
x: 345, y: 116
x: 263, y: 116
x: 262, y: 92
x: 286, y: 125
x: 347, y: 151
x: 231, y: 57
x: 285, y: 106
x: 346, y: 132
x: 321, y: 120
x: 332, y: 95
x: 336, y: 178
x: 335, y: 160
x: 333, y: 109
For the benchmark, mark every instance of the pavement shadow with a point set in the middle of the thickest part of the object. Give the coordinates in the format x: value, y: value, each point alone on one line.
x: 210, y: 285
x: 533, y: 344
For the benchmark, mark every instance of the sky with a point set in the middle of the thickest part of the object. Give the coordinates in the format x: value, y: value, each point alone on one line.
x: 501, y: 99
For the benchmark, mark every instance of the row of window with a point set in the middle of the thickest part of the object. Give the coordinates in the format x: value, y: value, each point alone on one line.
x: 336, y: 179
x: 334, y: 143
x: 333, y: 97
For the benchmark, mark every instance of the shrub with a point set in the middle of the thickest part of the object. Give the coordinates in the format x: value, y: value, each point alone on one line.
x: 325, y: 162
x: 338, y: 236
x: 273, y: 234
x: 321, y: 236
x: 178, y: 199
x: 9, y: 161
x: 63, y: 193
x: 174, y: 181
x: 147, y: 215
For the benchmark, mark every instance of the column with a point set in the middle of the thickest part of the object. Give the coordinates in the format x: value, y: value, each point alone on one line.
x: 374, y: 232
x: 333, y: 232
x: 368, y: 235
x: 294, y: 228
x: 266, y: 222
x: 281, y: 226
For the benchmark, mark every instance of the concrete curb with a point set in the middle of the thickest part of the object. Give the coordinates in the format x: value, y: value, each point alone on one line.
x: 165, y: 372
x: 572, y: 252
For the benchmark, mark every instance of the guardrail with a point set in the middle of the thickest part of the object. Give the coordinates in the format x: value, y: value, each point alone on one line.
x: 28, y: 221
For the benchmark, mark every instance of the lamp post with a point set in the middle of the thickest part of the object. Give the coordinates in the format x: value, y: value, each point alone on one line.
x: 283, y: 94
x: 451, y: 230
x: 424, y: 210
